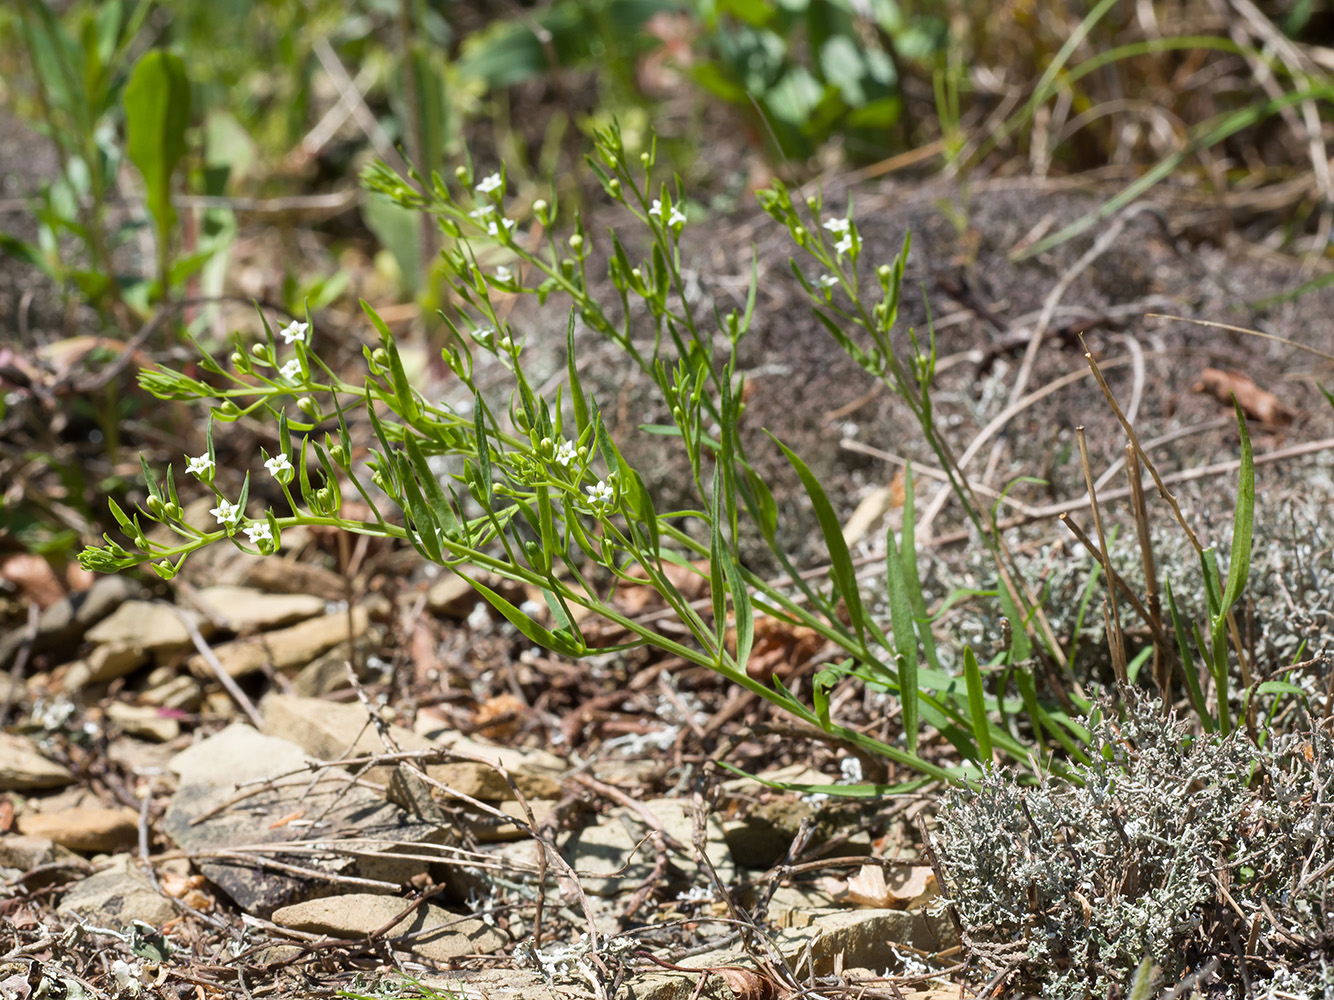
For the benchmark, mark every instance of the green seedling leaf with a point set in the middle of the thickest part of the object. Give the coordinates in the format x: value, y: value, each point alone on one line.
x: 905, y: 638
x: 977, y: 705
x: 445, y: 517
x: 157, y: 113
x: 1243, y: 519
x: 845, y: 576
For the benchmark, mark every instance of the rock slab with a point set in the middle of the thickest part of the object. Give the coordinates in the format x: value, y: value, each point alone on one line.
x: 85, y: 829
x: 435, y: 933
x: 23, y: 768
x: 115, y: 897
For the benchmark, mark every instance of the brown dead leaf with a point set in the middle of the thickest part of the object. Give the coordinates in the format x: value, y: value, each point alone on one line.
x: 747, y: 985
x: 898, y: 889
x: 1257, y: 403
x: 508, y: 712
x: 692, y: 582
x: 780, y: 648
x: 33, y: 577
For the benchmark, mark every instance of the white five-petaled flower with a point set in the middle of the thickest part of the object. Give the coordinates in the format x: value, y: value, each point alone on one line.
x: 827, y: 281
x: 488, y: 183
x: 677, y: 218
x: 258, y: 531
x: 200, y: 466
x: 844, y: 245
x: 226, y: 512
x: 565, y: 453
x: 293, y: 332
x: 493, y: 230
x: 504, y: 275
x: 291, y: 370
x: 600, y: 493
x: 278, y: 464
x: 836, y: 225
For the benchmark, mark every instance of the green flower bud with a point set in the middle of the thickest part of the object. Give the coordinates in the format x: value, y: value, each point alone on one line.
x: 381, y: 482
x: 338, y: 455
x: 813, y: 203
x: 227, y: 410
x: 308, y: 406
x: 380, y: 358
x: 461, y: 174
x: 154, y: 506
x: 164, y: 569
x: 567, y: 267
x: 882, y: 272
x: 239, y: 361
x: 260, y: 351
x: 172, y: 511
x: 576, y: 242
x: 540, y: 208
x: 799, y: 235
x: 614, y: 188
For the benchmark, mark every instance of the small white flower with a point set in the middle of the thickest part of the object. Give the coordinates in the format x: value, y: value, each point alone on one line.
x: 482, y: 211
x: 656, y: 208
x: 600, y: 494
x: 200, y: 466
x: 493, y: 230
x: 291, y: 371
x: 488, y: 183
x: 677, y: 218
x: 258, y: 531
x: 852, y: 770
x: 837, y: 225
x: 565, y: 453
x: 844, y: 245
x: 293, y: 332
x: 827, y: 281
x: 278, y: 464
x: 504, y: 275
x: 226, y: 512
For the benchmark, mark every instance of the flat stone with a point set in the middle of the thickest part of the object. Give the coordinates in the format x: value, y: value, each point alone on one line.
x: 438, y: 935
x: 286, y: 576
x: 328, y: 671
x: 864, y: 938
x: 148, y: 626
x: 248, y: 610
x: 103, y: 664
x: 86, y: 829
x: 25, y: 853
x: 608, y: 863
x: 355, y: 823
x: 63, y: 624
x: 116, y: 897
x: 180, y: 692
x: 23, y: 768
x: 285, y: 649
x: 145, y: 721
x: 328, y: 730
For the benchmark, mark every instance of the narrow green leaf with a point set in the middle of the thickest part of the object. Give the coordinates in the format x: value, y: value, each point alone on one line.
x: 562, y: 643
x: 743, y: 611
x: 844, y: 575
x: 483, y: 449
x: 434, y: 495
x: 418, y: 510
x: 977, y: 705
x: 1243, y: 519
x: 905, y: 638
x: 911, y: 577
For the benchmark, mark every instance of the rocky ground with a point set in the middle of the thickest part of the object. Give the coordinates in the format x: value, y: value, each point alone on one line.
x: 329, y: 770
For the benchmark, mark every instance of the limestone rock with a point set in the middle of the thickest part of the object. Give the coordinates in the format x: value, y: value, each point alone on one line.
x: 145, y: 721
x: 328, y: 730
x: 248, y: 610
x: 116, y: 897
x: 437, y: 934
x: 148, y: 626
x: 22, y: 768
x: 606, y: 858
x: 25, y: 853
x: 86, y: 829
x: 64, y: 623
x: 358, y: 826
x: 285, y: 649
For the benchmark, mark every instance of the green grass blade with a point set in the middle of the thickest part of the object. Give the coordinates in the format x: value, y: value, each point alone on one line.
x: 977, y: 705
x: 905, y: 639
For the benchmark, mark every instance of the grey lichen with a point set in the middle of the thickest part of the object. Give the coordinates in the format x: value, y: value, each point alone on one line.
x: 1185, y: 848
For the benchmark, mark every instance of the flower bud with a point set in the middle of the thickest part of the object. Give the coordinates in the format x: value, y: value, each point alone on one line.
x: 461, y: 174
x: 338, y: 455
x: 450, y: 228
x: 227, y: 410
x: 308, y: 406
x: 799, y: 235
x: 239, y: 361
x: 614, y: 188
x: 171, y: 511
x: 154, y: 506
x: 260, y: 351
x: 164, y: 569
x: 882, y: 272
x: 380, y: 357
x: 540, y: 210
x: 576, y: 242
x: 567, y: 267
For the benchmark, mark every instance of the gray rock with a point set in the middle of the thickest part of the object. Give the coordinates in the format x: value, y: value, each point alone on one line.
x: 248, y: 610
x: 25, y: 853
x: 609, y: 857
x: 64, y: 623
x: 146, y: 625
x: 435, y: 933
x: 354, y: 825
x: 88, y: 829
x: 23, y: 768
x: 115, y: 897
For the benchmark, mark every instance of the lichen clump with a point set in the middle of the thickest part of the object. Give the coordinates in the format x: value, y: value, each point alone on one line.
x: 1183, y: 848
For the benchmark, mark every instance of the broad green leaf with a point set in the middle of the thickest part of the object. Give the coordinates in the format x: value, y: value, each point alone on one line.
x: 157, y: 113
